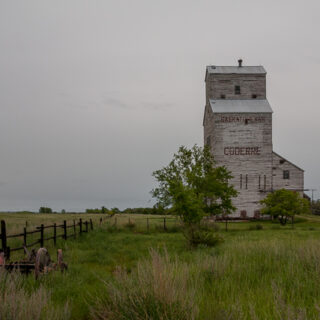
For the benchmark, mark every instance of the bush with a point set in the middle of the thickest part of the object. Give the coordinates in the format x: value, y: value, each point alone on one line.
x: 256, y: 227
x: 173, y: 229
x: 209, y: 226
x: 130, y: 225
x: 112, y: 228
x: 202, y: 236
x: 157, y: 289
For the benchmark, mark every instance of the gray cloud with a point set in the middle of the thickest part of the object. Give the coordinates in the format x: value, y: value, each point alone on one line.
x: 94, y: 96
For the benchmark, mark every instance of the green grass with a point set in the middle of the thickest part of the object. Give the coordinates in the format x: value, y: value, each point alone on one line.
x: 273, y: 273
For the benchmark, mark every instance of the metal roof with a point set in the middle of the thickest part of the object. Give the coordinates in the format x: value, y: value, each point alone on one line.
x: 240, y: 106
x: 278, y: 155
x: 236, y: 69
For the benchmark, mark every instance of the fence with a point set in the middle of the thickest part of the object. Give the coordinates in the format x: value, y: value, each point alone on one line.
x: 160, y: 223
x: 76, y: 228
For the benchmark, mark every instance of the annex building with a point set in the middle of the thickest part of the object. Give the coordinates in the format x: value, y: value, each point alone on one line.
x: 238, y: 129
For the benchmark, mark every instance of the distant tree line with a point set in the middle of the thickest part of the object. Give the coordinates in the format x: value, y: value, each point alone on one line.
x: 103, y: 210
x: 148, y: 210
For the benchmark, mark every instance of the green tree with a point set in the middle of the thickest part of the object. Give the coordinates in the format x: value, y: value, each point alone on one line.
x: 193, y: 187
x: 45, y: 210
x: 284, y: 204
x: 115, y: 210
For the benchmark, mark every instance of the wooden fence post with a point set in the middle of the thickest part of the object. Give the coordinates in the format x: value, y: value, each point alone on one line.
x: 65, y: 230
x: 100, y: 221
x: 25, y: 236
x: 55, y: 234
x: 4, y: 237
x: 74, y: 228
x: 164, y: 224
x: 91, y: 224
x: 80, y: 225
x: 41, y: 236
x: 86, y: 223
x: 148, y: 224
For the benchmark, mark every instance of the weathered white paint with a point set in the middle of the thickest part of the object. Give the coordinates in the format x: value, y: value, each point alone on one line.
x: 242, y: 141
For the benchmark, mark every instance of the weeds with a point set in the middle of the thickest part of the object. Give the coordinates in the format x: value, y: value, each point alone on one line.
x: 158, y: 288
x: 18, y: 304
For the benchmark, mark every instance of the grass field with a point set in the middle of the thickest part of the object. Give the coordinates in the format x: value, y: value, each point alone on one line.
x: 273, y: 273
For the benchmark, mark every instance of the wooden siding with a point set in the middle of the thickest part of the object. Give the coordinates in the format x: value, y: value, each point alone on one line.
x: 224, y: 84
x: 242, y: 142
x: 296, y: 175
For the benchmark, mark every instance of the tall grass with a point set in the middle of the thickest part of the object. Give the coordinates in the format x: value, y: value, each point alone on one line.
x: 158, y: 288
x: 258, y: 280
x: 16, y: 303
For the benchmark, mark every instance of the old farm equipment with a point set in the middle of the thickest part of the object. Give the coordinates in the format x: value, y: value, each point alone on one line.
x: 38, y: 261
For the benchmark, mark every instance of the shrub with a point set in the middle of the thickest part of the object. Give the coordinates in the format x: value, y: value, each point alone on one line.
x: 112, y: 228
x: 256, y: 227
x: 130, y: 225
x: 209, y: 226
x: 202, y: 236
x: 173, y: 229
x: 158, y: 289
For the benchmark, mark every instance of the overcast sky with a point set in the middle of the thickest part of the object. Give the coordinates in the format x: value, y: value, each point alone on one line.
x: 95, y: 95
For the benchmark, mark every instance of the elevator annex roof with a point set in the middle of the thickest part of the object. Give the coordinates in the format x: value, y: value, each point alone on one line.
x: 240, y: 106
x: 236, y: 69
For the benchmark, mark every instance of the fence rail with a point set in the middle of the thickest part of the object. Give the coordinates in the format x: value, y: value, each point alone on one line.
x: 77, y: 228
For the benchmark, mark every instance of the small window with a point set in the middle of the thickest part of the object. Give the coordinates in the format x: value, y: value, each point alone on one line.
x: 240, y: 181
x: 246, y: 181
x: 286, y: 174
x: 208, y: 141
x: 265, y: 182
x: 254, y: 96
x: 237, y: 90
x: 282, y: 161
x: 223, y: 96
x: 259, y: 182
x: 246, y: 121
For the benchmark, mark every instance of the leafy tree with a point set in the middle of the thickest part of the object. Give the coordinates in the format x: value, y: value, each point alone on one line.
x: 194, y: 187
x: 115, y: 210
x: 45, y: 210
x: 284, y: 204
